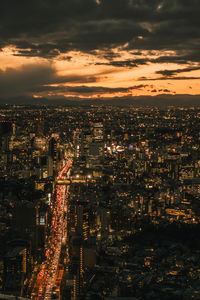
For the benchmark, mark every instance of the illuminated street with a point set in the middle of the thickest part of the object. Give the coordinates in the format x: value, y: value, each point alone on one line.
x: 46, y: 277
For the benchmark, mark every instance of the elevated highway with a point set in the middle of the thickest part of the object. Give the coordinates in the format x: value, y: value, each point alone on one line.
x: 68, y: 181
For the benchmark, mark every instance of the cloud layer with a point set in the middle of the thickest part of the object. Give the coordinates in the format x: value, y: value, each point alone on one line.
x: 30, y: 79
x: 160, y: 33
x: 46, y: 28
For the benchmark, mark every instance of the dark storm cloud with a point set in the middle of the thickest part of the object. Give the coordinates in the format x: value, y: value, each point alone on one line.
x: 168, y: 78
x: 86, y: 90
x: 126, y: 63
x: 30, y: 78
x: 182, y: 60
x: 168, y: 73
x: 63, y: 25
x: 46, y: 28
x: 161, y: 90
x: 86, y: 36
x: 33, y: 79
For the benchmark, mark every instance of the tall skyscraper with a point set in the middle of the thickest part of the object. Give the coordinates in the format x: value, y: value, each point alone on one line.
x: 96, y: 146
x: 40, y: 125
x: 6, y: 131
x: 52, y: 151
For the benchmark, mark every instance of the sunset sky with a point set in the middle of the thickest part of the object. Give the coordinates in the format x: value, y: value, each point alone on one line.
x: 99, y: 48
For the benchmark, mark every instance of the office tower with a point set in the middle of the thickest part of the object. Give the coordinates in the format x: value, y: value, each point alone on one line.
x: 39, y: 125
x: 76, y: 142
x: 52, y: 149
x: 6, y: 128
x: 82, y: 221
x: 41, y: 224
x: 16, y: 265
x: 50, y: 166
x: 6, y: 131
x: 97, y: 130
x: 52, y: 157
x: 96, y: 144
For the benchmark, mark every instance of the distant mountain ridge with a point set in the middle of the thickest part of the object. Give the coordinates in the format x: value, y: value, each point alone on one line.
x: 160, y: 101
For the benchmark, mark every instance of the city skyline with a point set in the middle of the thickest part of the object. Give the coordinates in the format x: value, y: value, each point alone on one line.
x: 103, y: 49
x: 103, y: 204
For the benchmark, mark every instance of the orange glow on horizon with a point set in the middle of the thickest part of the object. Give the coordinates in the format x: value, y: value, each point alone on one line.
x: 96, y: 71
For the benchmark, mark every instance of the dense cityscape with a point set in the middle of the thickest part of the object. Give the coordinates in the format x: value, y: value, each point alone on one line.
x: 99, y: 202
x: 100, y: 150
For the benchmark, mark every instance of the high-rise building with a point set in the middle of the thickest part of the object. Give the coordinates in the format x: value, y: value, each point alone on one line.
x: 40, y: 125
x: 16, y: 267
x: 97, y: 130
x: 82, y: 221
x: 96, y: 144
x: 52, y: 151
x: 6, y: 131
x: 6, y: 128
x: 52, y: 157
x: 50, y: 166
